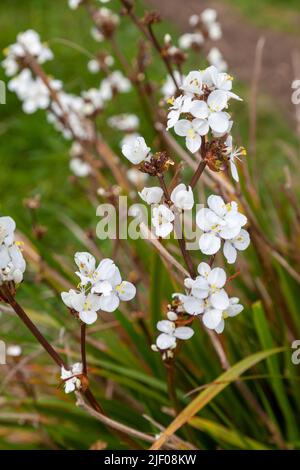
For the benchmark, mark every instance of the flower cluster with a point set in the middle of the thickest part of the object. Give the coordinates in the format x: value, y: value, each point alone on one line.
x: 67, y: 112
x: 206, y: 296
x: 221, y: 221
x: 205, y: 26
x: 166, y: 342
x: 72, y: 378
x: 28, y: 43
x: 203, y: 104
x: 12, y: 263
x: 100, y: 288
x: 78, y: 166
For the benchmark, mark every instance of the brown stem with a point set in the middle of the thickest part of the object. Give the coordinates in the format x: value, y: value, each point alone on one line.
x: 162, y: 55
x: 83, y: 348
x: 34, y: 330
x: 149, y: 34
x: 178, y: 231
x: 198, y: 173
x: 171, y: 387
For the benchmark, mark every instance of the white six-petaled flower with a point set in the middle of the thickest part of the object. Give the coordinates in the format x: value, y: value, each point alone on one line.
x: 101, y: 288
x: 170, y: 333
x: 218, y: 221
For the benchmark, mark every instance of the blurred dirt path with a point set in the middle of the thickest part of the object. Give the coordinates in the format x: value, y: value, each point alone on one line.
x: 238, y: 46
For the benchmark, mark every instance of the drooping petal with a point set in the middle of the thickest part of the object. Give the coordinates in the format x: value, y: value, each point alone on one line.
x: 234, y: 171
x: 229, y: 252
x: 220, y: 327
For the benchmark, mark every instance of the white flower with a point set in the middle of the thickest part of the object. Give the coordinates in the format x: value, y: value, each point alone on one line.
x: 88, y: 273
x: 32, y: 91
x: 152, y: 195
x: 12, y: 264
x: 214, y: 31
x: 74, y: 4
x: 169, y: 89
x: 124, y: 122
x: 209, y: 15
x: 137, y: 177
x: 216, y: 80
x: 169, y: 334
x: 107, y: 288
x: 215, y: 58
x: 182, y: 104
x: 191, y: 305
x: 209, y: 286
x: 218, y: 221
x: 93, y: 66
x: 86, y: 306
x: 7, y: 229
x: 136, y: 151
x: 192, y: 84
x: 212, y: 111
x: 28, y: 42
x: 113, y: 290
x: 182, y: 197
x: 129, y: 139
x: 190, y: 39
x: 162, y: 220
x: 240, y: 242
x: 96, y: 34
x: 119, y: 82
x: 194, y: 20
x: 233, y: 153
x: 14, y: 350
x: 192, y: 131
x: 80, y: 168
x: 70, y: 377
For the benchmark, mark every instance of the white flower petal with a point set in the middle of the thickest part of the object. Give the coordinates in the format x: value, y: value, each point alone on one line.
x: 219, y: 300
x: 209, y: 243
x: 229, y: 252
x: 211, y: 318
x: 183, y: 332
